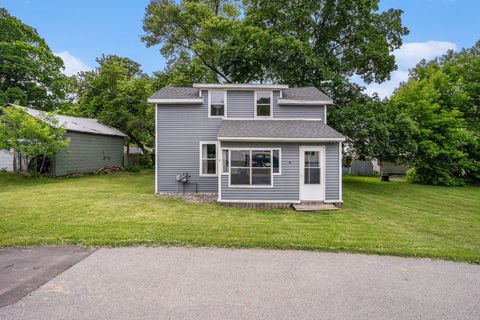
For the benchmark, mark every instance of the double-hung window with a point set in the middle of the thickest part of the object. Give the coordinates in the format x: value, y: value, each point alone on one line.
x: 263, y: 104
x: 208, y: 158
x: 217, y: 103
x: 253, y: 167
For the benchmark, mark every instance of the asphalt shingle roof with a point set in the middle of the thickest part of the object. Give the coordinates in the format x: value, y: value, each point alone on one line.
x: 77, y: 124
x: 304, y: 93
x: 277, y: 129
x: 176, y: 93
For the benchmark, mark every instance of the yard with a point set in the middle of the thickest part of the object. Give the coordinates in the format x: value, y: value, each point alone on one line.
x: 395, y: 218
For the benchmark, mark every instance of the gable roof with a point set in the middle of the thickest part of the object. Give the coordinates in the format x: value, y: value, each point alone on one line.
x: 304, y: 95
x: 277, y: 130
x: 77, y: 124
x: 191, y: 95
x: 176, y: 95
x: 170, y: 92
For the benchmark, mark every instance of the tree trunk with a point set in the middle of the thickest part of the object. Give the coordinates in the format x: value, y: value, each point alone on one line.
x: 139, y: 144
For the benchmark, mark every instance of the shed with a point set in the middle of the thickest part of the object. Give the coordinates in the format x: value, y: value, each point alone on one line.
x: 93, y: 145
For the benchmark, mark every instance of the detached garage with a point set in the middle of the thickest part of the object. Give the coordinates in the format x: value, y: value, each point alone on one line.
x: 93, y: 145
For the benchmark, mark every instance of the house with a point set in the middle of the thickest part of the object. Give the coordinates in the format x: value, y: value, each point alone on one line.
x: 250, y: 143
x: 93, y: 145
x: 133, y: 155
x: 6, y: 160
x: 374, y: 167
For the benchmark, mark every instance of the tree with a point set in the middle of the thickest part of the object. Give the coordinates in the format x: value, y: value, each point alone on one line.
x: 29, y: 136
x: 197, y: 29
x: 443, y: 98
x: 30, y: 74
x: 183, y: 71
x: 379, y: 130
x: 321, y: 43
x: 116, y: 93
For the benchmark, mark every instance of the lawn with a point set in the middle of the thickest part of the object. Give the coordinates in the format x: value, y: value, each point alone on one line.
x: 395, y: 218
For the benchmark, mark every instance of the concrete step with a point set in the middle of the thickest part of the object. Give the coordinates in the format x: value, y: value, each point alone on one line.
x: 314, y: 207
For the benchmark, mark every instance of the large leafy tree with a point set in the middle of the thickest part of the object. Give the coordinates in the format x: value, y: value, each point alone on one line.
x: 443, y: 98
x: 116, y: 93
x: 379, y: 130
x: 321, y: 43
x: 197, y: 29
x: 183, y: 72
x: 30, y: 74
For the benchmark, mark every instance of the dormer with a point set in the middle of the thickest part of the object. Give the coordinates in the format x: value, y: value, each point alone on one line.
x: 248, y: 101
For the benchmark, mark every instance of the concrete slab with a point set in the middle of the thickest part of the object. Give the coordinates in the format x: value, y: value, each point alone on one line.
x: 204, y: 283
x: 314, y: 207
x: 23, y: 270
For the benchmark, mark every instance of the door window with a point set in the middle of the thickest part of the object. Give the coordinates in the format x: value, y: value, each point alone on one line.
x: 312, y: 167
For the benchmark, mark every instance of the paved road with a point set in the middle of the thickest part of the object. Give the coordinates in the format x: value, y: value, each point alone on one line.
x: 23, y: 270
x: 195, y: 283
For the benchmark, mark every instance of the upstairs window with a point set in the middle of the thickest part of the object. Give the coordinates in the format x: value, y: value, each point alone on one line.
x: 263, y: 103
x: 217, y: 103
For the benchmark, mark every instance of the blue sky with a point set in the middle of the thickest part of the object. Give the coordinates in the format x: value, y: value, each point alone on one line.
x: 79, y: 31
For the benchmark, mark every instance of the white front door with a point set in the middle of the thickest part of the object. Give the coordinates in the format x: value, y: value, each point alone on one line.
x: 312, y: 173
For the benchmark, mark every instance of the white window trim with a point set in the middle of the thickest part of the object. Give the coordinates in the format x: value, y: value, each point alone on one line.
x: 340, y: 173
x: 323, y: 150
x: 271, y: 104
x: 156, y: 149
x: 248, y: 186
x: 221, y: 160
x: 250, y: 139
x: 224, y: 103
x: 201, y: 174
x: 279, y: 173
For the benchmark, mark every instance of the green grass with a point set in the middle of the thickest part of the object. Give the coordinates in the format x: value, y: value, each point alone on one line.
x: 395, y: 218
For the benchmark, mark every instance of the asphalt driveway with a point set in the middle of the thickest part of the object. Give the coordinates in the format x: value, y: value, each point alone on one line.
x: 23, y: 270
x: 197, y: 283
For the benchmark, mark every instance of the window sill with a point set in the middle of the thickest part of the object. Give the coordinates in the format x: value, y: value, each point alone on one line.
x: 250, y: 187
x: 208, y: 175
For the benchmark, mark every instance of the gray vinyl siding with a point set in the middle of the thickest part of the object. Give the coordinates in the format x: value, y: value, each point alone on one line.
x: 87, y: 153
x: 286, y: 185
x: 180, y: 128
x: 240, y: 104
x: 293, y: 112
x: 331, y: 172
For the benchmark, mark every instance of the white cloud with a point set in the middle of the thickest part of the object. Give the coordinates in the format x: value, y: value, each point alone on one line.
x: 411, y: 53
x: 73, y: 65
x: 386, y: 88
x: 407, y: 57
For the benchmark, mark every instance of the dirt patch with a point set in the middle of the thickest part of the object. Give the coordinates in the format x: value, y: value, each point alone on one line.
x: 192, y: 197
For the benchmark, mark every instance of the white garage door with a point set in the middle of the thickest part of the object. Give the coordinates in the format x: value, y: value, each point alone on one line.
x: 6, y: 160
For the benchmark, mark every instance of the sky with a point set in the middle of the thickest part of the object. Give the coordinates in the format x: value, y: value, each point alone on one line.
x: 79, y: 31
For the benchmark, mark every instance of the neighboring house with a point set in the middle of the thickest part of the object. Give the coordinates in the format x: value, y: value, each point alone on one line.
x: 374, y: 167
x: 93, y: 145
x: 132, y: 155
x: 6, y: 160
x: 248, y: 143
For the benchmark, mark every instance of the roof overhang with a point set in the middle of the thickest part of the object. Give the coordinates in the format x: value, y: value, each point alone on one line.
x: 176, y: 101
x: 304, y: 102
x: 279, y: 139
x: 231, y: 86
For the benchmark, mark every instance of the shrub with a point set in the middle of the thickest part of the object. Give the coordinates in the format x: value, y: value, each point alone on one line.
x: 133, y: 168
